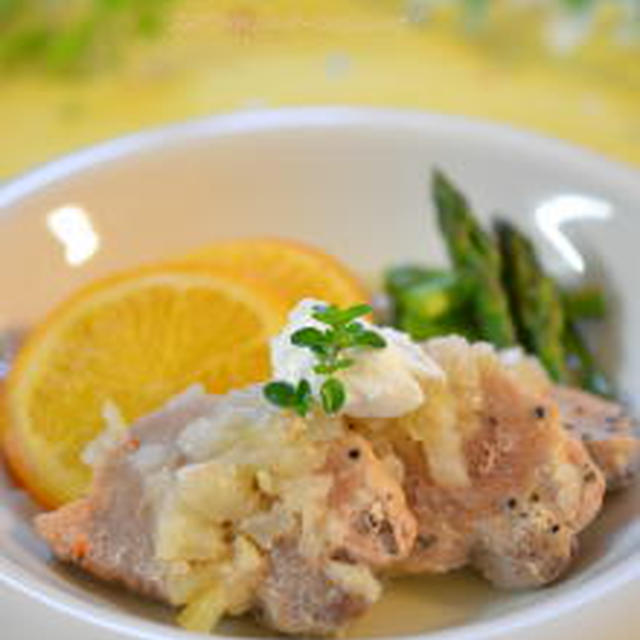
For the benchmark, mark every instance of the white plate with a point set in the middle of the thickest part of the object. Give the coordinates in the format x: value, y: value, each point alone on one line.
x: 355, y: 182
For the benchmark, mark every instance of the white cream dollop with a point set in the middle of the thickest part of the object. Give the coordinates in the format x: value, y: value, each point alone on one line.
x: 382, y: 383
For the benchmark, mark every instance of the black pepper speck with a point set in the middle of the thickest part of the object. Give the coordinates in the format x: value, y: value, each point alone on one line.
x: 590, y: 476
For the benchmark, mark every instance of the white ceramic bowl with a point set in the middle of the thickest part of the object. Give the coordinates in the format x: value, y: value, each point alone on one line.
x: 355, y: 182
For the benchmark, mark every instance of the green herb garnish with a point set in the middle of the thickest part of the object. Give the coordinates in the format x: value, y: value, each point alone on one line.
x: 333, y: 395
x: 288, y: 396
x: 328, y: 345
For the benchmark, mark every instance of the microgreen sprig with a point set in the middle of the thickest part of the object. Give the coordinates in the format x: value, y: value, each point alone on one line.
x: 289, y: 396
x: 328, y: 345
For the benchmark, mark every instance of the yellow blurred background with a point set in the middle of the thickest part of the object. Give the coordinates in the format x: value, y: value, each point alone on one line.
x: 576, y: 78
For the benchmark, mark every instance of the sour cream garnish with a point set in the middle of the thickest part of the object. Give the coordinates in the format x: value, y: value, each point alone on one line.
x: 382, y: 383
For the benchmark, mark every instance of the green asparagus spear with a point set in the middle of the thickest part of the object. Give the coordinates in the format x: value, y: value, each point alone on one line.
x: 545, y: 318
x: 420, y: 329
x: 474, y: 255
x: 400, y: 278
x: 429, y: 302
x: 428, y: 292
x: 434, y: 299
x: 536, y: 302
x: 587, y: 303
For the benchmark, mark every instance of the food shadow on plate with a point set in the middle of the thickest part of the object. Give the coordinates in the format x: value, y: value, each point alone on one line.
x: 616, y: 527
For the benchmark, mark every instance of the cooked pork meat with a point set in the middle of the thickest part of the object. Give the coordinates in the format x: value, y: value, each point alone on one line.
x: 374, y: 528
x: 315, y: 575
x: 302, y: 595
x: 230, y: 501
x: 110, y: 532
x: 606, y: 430
x: 504, y: 487
x: 369, y: 504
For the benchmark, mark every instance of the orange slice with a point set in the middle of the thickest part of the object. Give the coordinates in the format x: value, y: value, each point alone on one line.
x: 293, y: 269
x: 134, y: 339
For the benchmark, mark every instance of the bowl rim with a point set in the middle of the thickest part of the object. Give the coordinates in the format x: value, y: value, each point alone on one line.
x: 304, y: 118
x: 23, y: 184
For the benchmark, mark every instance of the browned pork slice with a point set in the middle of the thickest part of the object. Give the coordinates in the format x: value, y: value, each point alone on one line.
x: 493, y: 478
x: 322, y: 514
x: 110, y: 532
x: 607, y: 431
